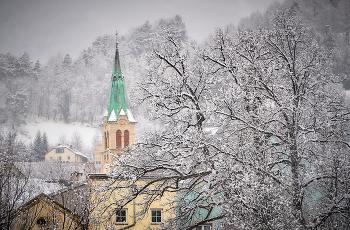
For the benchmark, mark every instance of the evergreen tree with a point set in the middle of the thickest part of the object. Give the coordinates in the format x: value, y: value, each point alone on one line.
x: 17, y: 107
x: 67, y: 61
x: 36, y: 148
x: 37, y: 68
x: 24, y: 68
x: 44, y: 145
x: 64, y: 107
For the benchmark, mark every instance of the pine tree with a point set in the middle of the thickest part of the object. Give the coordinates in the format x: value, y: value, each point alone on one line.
x: 17, y: 107
x: 44, y: 145
x: 36, y: 147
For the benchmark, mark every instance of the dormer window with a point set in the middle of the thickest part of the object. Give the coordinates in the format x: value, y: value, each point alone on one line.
x: 60, y: 150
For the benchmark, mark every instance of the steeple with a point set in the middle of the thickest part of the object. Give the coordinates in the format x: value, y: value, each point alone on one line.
x: 118, y: 102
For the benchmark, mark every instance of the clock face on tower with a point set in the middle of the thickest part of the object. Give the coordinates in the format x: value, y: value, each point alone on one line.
x: 123, y: 123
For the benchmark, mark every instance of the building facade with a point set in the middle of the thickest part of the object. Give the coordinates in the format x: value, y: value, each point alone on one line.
x: 66, y: 154
x: 97, y: 157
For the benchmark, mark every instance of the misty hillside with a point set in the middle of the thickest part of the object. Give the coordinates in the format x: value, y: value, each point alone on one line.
x: 66, y: 90
x: 248, y: 129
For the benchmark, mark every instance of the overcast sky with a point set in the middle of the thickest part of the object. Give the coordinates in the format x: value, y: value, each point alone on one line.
x: 44, y: 28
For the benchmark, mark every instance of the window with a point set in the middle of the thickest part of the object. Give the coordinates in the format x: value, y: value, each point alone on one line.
x: 98, y: 164
x: 68, y: 157
x: 107, y: 139
x: 41, y: 221
x: 126, y: 138
x: 59, y: 158
x: 156, y: 216
x: 120, y: 216
x: 203, y: 227
x: 50, y: 158
x: 60, y: 150
x: 119, y: 139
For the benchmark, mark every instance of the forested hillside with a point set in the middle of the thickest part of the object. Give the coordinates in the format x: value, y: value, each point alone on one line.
x: 330, y: 22
x: 76, y: 90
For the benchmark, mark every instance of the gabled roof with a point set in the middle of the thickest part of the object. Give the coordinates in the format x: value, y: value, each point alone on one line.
x: 45, y: 198
x: 118, y: 101
x: 71, y: 149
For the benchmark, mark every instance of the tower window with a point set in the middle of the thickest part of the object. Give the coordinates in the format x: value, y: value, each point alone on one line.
x: 119, y: 139
x: 126, y: 138
x: 107, y: 139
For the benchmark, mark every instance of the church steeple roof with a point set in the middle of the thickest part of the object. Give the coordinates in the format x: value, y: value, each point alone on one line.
x: 118, y: 102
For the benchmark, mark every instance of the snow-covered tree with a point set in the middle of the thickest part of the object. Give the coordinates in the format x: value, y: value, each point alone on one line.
x: 77, y: 141
x: 272, y: 97
x: 45, y: 144
x: 14, y: 185
x: 40, y: 147
x: 17, y: 106
x: 36, y: 147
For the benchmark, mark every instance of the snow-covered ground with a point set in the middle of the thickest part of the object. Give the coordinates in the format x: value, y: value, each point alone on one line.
x: 56, y: 129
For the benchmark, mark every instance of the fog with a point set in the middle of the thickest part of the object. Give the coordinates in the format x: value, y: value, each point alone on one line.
x: 44, y: 28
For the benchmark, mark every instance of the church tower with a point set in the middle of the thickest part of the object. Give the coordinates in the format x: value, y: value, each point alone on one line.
x: 118, y: 129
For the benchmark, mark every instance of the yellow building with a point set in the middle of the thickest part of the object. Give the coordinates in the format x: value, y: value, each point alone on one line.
x: 44, y: 213
x: 66, y: 154
x: 97, y: 157
x: 108, y: 215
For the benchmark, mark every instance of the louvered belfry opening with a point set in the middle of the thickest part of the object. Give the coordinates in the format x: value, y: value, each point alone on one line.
x: 119, y: 139
x: 126, y: 138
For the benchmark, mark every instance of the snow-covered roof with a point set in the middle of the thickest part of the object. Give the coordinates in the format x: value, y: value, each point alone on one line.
x: 122, y: 112
x: 49, y: 170
x: 130, y: 116
x: 113, y: 116
x: 71, y: 149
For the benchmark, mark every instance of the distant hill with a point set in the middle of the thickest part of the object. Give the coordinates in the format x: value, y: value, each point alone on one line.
x: 56, y: 131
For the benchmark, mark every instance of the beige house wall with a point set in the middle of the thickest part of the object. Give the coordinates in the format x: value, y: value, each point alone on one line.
x: 104, y: 216
x: 55, y: 216
x: 53, y: 156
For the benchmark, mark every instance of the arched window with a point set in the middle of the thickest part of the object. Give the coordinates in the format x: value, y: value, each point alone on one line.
x: 126, y: 138
x: 107, y: 139
x: 119, y: 139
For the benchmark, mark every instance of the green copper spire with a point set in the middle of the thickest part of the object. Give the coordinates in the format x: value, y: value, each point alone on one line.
x: 118, y: 104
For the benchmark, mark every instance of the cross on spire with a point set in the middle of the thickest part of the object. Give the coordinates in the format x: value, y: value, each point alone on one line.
x: 116, y: 36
